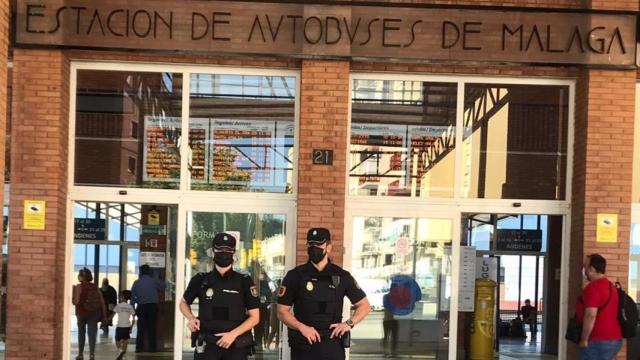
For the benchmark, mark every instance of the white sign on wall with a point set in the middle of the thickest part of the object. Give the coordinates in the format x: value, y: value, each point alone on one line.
x: 467, y: 278
x: 153, y: 259
x: 487, y: 268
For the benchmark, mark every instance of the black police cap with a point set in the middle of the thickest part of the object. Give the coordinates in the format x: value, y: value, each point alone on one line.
x: 224, y: 241
x: 318, y: 236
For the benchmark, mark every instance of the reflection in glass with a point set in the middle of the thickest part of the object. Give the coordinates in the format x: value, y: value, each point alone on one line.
x: 114, y: 239
x: 404, y: 266
x: 260, y: 252
x: 402, y: 138
x: 634, y: 262
x: 241, y: 132
x: 128, y: 129
x: 515, y: 141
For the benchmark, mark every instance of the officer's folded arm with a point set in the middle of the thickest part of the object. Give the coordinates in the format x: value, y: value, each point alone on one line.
x: 228, y: 338
x: 285, y: 315
x: 362, y: 310
x: 185, y: 309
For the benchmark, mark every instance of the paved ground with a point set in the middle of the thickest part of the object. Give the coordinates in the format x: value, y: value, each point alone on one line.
x: 510, y: 350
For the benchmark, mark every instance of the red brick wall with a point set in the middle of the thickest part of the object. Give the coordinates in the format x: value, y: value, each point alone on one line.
x: 490, y: 70
x: 324, y: 102
x: 605, y: 106
x: 39, y: 171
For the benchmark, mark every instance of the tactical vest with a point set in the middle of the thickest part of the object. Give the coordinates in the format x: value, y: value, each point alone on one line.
x: 221, y: 304
x: 318, y: 301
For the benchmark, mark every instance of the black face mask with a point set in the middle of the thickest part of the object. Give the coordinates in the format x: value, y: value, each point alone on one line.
x: 316, y: 254
x: 223, y: 259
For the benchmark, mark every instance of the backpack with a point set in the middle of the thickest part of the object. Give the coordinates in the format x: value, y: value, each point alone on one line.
x: 93, y: 299
x: 627, y: 313
x: 516, y: 328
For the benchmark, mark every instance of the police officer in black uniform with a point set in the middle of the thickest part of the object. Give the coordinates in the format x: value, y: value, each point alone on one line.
x: 316, y: 291
x: 228, y: 307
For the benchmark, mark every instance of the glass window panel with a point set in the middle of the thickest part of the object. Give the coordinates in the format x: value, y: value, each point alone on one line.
x: 127, y: 129
x: 133, y: 263
x: 402, y: 138
x: 634, y: 263
x: 241, y: 132
x: 478, y: 231
x: 394, y: 257
x: 260, y: 252
x: 515, y: 141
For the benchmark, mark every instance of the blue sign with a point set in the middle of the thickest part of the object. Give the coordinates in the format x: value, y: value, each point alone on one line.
x: 403, y: 295
x: 90, y: 229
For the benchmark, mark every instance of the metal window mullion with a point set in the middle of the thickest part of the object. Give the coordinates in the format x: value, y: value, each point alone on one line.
x: 458, y: 143
x: 185, y: 175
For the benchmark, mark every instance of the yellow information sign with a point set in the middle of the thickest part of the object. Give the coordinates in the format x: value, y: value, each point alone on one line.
x: 34, y: 212
x: 153, y: 218
x: 607, y: 228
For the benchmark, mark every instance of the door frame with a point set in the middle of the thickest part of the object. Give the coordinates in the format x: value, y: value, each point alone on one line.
x: 426, y: 209
x: 183, y: 198
x: 453, y: 207
x: 411, y: 209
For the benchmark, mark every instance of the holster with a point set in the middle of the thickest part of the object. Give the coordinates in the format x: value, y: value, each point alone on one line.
x: 346, y: 340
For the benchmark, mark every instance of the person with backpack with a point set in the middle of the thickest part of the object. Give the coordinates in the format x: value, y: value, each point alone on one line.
x: 597, y: 309
x: 90, y: 309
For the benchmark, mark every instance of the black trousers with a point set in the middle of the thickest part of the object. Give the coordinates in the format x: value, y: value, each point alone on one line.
x: 147, y: 322
x: 215, y: 352
x: 327, y: 349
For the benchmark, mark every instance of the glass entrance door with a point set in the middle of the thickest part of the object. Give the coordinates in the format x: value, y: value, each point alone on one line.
x: 404, y: 264
x: 112, y: 240
x: 521, y: 256
x: 260, y: 252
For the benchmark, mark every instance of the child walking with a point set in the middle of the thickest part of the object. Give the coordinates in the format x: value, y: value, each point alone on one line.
x: 126, y: 319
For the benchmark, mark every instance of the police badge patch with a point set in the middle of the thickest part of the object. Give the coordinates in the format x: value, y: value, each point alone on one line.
x: 209, y: 293
x: 282, y: 291
x: 254, y: 291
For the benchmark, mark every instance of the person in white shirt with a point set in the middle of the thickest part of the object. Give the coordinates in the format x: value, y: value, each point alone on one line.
x: 126, y: 318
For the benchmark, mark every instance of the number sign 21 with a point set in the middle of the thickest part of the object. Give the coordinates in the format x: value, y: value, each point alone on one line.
x: 322, y: 157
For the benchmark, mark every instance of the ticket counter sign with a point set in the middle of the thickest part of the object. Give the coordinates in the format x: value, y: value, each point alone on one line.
x: 89, y: 229
x: 519, y: 240
x: 34, y: 215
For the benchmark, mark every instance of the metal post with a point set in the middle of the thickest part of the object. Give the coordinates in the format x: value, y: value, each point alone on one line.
x: 96, y: 253
x: 124, y: 252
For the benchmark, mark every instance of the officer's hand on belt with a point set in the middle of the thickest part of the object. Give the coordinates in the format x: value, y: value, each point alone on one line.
x: 226, y: 340
x: 339, y: 329
x: 310, y: 333
x: 194, y: 324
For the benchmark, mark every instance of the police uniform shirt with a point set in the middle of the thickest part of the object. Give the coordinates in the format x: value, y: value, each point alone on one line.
x: 223, y: 292
x: 305, y: 282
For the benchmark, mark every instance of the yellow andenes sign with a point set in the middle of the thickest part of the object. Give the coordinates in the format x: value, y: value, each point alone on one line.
x: 390, y: 32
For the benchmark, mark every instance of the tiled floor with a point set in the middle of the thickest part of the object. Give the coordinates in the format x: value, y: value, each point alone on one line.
x: 511, y: 349
x: 522, y: 349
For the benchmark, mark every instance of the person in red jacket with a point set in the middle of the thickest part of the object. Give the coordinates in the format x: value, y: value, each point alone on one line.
x: 597, y: 308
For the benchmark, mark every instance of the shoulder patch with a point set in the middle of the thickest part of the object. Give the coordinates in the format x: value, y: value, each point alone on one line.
x: 254, y: 291
x: 282, y: 291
